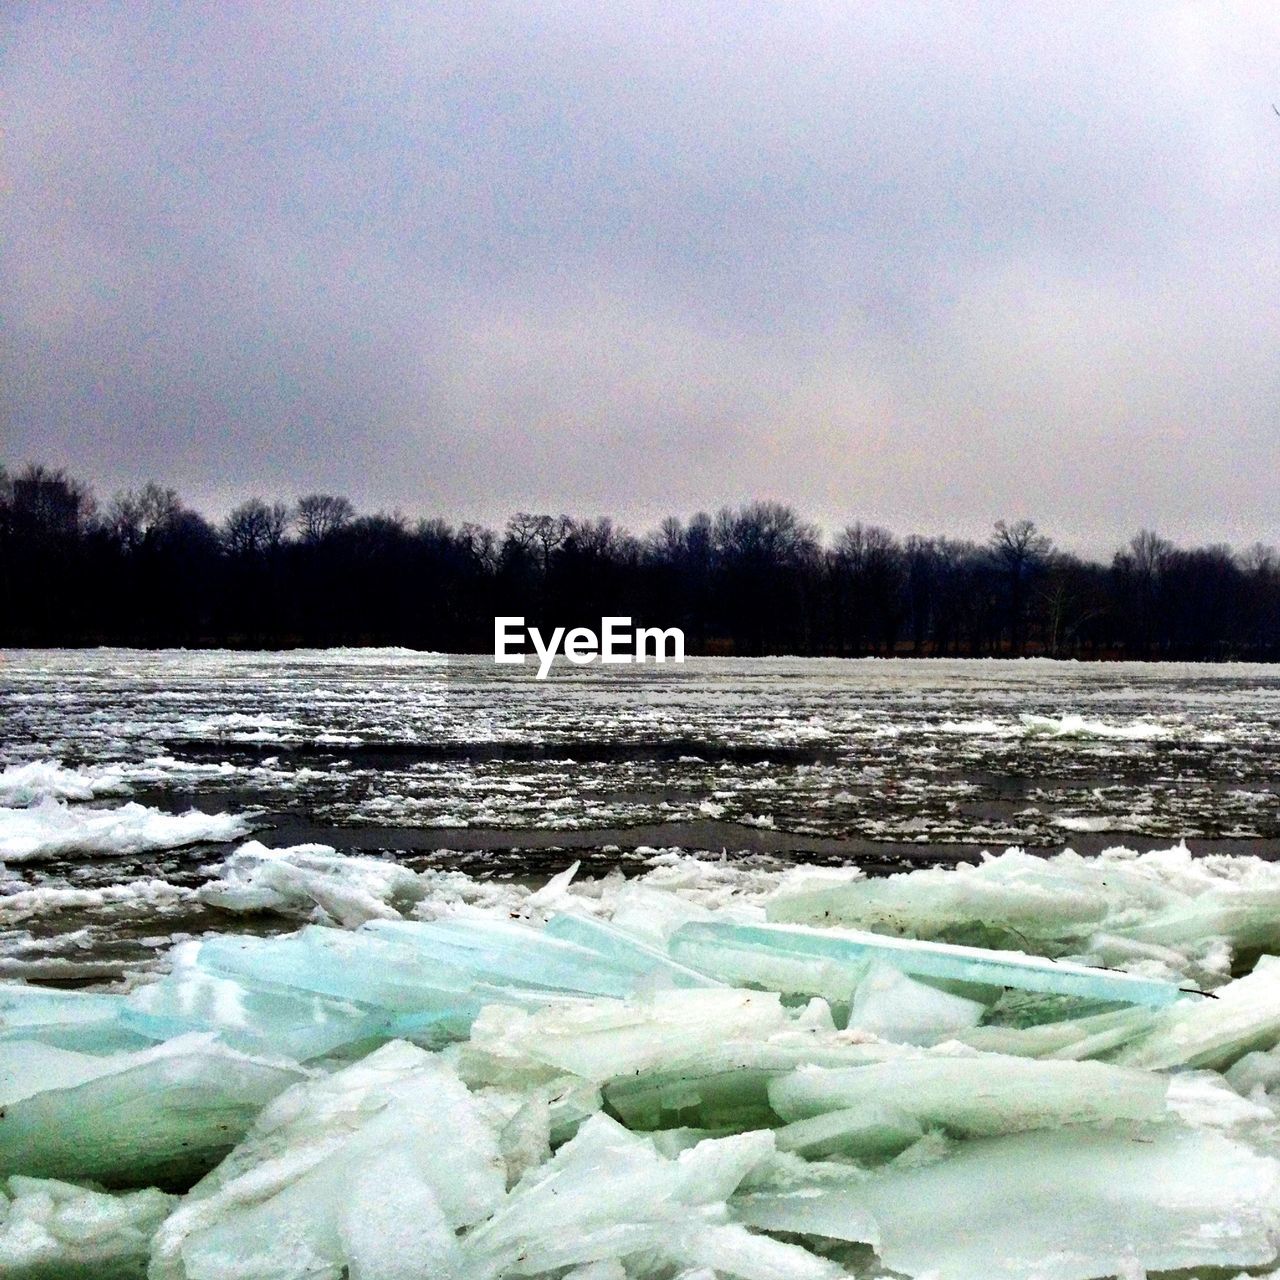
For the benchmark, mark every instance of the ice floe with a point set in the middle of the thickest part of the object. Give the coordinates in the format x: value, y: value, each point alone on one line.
x: 19, y: 902
x: 1078, y: 726
x: 312, y: 881
x: 25, y: 784
x: 52, y: 828
x: 880, y: 750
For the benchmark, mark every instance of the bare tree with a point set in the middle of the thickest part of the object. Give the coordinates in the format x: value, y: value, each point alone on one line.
x: 1019, y: 550
x: 1142, y: 567
x: 537, y: 535
x: 140, y: 517
x: 321, y: 515
x: 50, y: 503
x: 666, y: 542
x: 480, y: 545
x: 766, y: 557
x: 870, y: 563
x: 254, y: 527
x: 598, y: 539
x: 550, y: 533
x: 1260, y: 560
x: 1019, y: 546
x: 765, y: 535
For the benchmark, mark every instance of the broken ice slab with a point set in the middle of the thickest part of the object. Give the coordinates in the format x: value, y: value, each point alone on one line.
x: 1093, y: 1036
x: 500, y: 952
x: 608, y: 1196
x: 406, y: 965
x: 1163, y: 899
x: 251, y: 1017
x: 1213, y: 1031
x: 976, y: 1095
x: 747, y: 953
x: 86, y: 1021
x: 625, y: 950
x: 868, y: 1131
x: 320, y: 990
x: 358, y: 970
x: 606, y: 1039
x: 161, y: 1116
x: 725, y: 1087
x: 52, y: 1230
x: 1062, y: 899
x: 532, y: 1121
x: 701, y: 1058
x: 1065, y: 1204
x: 656, y: 913
x: 312, y: 880
x: 1014, y: 893
x: 892, y: 1006
x: 368, y: 1172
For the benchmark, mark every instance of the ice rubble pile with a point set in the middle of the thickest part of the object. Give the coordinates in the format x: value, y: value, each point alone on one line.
x: 27, y: 783
x: 1163, y: 912
x: 705, y: 1072
x: 41, y: 817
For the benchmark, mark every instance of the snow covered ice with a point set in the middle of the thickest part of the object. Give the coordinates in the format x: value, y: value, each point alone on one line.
x: 52, y: 1230
x: 269, y: 1050
x: 311, y: 880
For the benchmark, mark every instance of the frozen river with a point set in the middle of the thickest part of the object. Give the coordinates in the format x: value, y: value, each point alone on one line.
x: 127, y: 778
x: 383, y: 964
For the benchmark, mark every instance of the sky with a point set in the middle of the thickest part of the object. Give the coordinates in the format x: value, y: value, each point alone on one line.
x: 926, y: 265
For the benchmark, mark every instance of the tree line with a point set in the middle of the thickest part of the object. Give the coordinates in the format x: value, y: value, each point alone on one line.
x: 145, y: 569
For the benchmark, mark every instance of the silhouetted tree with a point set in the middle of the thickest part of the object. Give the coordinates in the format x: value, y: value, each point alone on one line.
x: 872, y: 572
x: 254, y: 528
x: 1020, y: 551
x: 765, y: 552
x: 320, y: 515
x: 1140, y: 570
x: 756, y: 579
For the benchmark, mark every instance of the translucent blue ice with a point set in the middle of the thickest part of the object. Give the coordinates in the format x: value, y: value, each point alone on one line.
x: 735, y: 952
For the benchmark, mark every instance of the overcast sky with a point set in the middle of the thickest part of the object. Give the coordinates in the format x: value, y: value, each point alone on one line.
x: 923, y: 264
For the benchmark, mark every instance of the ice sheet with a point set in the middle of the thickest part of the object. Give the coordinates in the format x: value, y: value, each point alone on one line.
x: 25, y: 784
x: 976, y: 1095
x: 1066, y: 1205
x: 158, y: 1116
x: 342, y: 1174
x: 1242, y: 1017
x: 1163, y: 907
x: 734, y: 952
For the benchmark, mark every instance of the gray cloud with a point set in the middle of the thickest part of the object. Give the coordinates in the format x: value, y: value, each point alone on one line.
x: 926, y: 264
